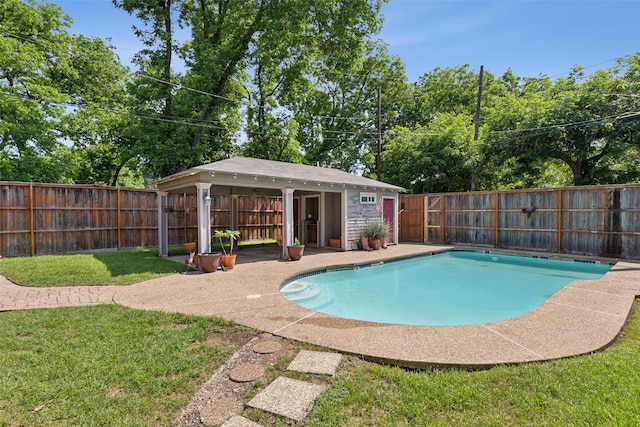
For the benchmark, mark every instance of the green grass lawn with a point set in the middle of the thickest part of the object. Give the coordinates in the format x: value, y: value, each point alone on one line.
x: 601, y: 389
x: 99, y: 268
x: 109, y: 365
x: 102, y: 366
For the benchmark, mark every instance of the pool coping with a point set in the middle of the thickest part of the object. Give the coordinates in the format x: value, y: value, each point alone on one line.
x: 583, y: 317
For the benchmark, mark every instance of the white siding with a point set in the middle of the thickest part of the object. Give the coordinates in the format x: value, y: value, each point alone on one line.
x: 357, y: 216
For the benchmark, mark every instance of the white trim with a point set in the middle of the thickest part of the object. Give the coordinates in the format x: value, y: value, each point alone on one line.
x: 368, y: 198
x: 203, y: 190
x: 322, y: 238
x: 287, y: 220
x: 344, y: 197
x: 395, y: 216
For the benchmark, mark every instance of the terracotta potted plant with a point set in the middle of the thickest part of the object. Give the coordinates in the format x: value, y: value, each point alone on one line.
x: 191, y: 246
x: 296, y: 250
x: 228, y: 259
x: 192, y: 249
x: 209, y: 261
x: 375, y: 231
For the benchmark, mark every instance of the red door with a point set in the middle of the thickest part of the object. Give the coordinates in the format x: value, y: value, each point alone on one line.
x: 388, y: 216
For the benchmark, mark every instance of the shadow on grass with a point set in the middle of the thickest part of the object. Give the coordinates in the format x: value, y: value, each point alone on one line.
x: 137, y: 262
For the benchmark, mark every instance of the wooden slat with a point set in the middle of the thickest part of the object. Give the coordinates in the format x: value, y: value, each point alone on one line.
x: 594, y: 220
x: 37, y: 219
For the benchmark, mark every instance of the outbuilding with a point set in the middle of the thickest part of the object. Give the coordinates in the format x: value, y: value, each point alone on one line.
x: 319, y: 204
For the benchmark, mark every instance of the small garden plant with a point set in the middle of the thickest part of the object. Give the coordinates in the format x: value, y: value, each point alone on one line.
x: 232, y: 235
x: 375, y: 229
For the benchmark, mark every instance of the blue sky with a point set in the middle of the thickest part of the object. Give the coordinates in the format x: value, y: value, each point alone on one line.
x: 530, y: 37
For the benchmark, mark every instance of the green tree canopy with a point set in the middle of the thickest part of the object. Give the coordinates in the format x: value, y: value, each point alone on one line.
x: 584, y: 122
x: 249, y: 57
x: 56, y: 88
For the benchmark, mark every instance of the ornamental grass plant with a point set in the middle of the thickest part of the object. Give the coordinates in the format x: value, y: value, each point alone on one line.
x: 375, y: 229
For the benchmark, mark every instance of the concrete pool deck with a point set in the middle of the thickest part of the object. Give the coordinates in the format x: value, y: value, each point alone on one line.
x: 583, y: 317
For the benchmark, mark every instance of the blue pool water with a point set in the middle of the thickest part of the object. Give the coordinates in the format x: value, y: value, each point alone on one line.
x: 451, y: 288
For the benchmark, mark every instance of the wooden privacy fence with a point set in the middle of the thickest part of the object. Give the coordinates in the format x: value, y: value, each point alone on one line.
x: 594, y: 220
x: 39, y: 219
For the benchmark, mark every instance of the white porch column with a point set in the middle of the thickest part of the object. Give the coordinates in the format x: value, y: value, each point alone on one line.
x: 287, y: 220
x: 163, y: 227
x: 344, y: 196
x: 204, y: 217
x: 322, y: 238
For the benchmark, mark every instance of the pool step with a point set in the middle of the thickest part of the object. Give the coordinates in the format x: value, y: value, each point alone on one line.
x: 306, y: 295
x: 320, y: 301
x: 301, y: 294
x: 293, y: 288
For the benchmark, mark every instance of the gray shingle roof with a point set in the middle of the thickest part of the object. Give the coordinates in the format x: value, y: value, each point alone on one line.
x: 269, y: 168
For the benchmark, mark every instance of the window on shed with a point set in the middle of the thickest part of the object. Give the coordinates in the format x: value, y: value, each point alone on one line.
x: 367, y: 198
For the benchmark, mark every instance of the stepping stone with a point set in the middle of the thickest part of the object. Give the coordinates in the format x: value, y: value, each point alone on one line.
x: 287, y: 397
x: 266, y: 347
x: 217, y: 411
x: 246, y: 372
x: 315, y: 362
x: 238, y: 421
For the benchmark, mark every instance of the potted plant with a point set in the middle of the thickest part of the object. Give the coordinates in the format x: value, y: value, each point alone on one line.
x: 375, y: 231
x: 228, y: 259
x: 192, y: 249
x: 296, y: 250
x: 191, y: 246
x: 209, y: 261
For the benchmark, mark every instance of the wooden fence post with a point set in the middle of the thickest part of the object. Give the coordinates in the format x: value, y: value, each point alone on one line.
x: 118, y: 220
x: 496, y: 220
x: 184, y: 218
x: 559, y: 219
x: 443, y: 218
x: 425, y: 219
x: 32, y: 223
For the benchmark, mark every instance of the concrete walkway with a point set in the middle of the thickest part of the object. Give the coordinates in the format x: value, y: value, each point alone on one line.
x: 14, y: 297
x: 583, y: 317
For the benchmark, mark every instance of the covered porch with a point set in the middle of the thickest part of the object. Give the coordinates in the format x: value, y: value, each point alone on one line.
x: 317, y: 203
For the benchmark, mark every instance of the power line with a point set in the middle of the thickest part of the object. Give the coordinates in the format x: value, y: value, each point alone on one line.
x: 193, y: 121
x: 180, y: 86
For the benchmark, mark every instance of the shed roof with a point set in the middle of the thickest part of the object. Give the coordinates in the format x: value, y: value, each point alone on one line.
x: 274, y: 170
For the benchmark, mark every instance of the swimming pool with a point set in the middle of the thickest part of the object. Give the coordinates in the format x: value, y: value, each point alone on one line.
x: 450, y: 288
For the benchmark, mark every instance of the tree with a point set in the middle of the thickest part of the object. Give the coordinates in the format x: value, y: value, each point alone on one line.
x: 338, y: 115
x: 33, y: 56
x: 50, y: 82
x: 97, y: 119
x: 432, y: 158
x: 577, y: 120
x: 269, y: 45
x: 441, y: 95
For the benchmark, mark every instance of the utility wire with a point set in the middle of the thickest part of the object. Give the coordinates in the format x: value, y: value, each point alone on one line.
x: 190, y: 121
